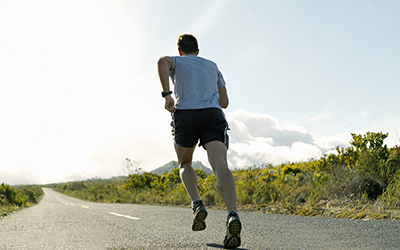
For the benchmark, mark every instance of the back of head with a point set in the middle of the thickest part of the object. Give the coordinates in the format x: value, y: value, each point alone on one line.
x: 187, y: 43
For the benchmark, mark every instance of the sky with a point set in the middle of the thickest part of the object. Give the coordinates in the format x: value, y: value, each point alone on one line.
x: 80, y: 91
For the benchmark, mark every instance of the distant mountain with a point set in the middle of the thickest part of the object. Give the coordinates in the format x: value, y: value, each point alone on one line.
x: 173, y: 164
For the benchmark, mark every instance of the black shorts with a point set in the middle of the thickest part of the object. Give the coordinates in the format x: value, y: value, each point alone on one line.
x: 190, y: 125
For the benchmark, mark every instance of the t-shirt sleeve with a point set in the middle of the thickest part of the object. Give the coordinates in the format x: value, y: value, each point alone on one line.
x: 172, y: 70
x: 221, y: 81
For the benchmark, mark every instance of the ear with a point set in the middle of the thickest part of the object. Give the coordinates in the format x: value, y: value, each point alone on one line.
x: 180, y: 52
x: 197, y: 52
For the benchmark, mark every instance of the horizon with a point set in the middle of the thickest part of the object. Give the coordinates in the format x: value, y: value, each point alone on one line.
x: 140, y: 171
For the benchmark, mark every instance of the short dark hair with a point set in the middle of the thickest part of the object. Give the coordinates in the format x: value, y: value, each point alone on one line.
x: 187, y: 43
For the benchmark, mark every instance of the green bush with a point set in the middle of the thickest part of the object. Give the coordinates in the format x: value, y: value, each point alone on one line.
x: 22, y: 196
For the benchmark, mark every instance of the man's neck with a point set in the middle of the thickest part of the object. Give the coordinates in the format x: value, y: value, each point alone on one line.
x: 181, y: 53
x: 190, y: 54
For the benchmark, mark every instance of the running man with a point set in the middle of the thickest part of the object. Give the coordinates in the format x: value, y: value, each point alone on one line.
x: 200, y: 95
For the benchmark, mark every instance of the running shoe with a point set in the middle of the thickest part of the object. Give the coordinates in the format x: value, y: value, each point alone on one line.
x: 233, y: 228
x: 199, y: 215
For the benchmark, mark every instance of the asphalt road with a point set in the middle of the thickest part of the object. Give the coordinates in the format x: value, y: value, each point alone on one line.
x: 61, y: 222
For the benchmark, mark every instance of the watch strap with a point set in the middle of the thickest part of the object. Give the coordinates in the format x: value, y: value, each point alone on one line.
x: 164, y: 94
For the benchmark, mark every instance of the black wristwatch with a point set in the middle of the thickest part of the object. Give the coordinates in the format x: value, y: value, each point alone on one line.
x: 164, y: 94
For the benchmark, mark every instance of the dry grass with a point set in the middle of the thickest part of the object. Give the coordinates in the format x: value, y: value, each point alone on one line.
x: 346, y: 209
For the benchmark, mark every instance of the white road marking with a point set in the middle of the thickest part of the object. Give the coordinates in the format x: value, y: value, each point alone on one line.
x: 72, y: 204
x: 125, y: 216
x: 84, y: 206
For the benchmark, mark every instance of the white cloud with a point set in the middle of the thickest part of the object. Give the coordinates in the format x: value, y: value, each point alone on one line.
x: 262, y: 125
x: 259, y: 138
x: 258, y: 124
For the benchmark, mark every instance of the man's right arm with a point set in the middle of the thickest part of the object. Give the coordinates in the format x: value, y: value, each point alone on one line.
x: 164, y: 66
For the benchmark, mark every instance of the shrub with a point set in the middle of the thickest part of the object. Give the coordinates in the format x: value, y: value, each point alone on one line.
x: 13, y: 199
x: 391, y: 196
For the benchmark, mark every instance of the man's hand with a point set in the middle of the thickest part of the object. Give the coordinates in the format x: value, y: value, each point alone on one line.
x: 169, y: 104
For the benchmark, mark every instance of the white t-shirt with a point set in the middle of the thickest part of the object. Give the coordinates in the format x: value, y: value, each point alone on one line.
x: 196, y: 82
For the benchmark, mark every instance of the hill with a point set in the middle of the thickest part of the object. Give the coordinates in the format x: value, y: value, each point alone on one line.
x: 173, y: 164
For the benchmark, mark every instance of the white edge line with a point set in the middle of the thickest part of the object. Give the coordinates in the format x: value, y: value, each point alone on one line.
x: 125, y: 216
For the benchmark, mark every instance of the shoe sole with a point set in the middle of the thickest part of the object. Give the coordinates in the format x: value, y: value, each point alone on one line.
x: 233, y: 238
x: 198, y: 222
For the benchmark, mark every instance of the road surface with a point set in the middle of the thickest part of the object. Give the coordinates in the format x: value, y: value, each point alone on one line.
x: 62, y: 222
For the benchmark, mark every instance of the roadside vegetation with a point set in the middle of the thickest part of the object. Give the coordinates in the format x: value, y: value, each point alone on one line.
x: 14, y: 198
x: 360, y: 182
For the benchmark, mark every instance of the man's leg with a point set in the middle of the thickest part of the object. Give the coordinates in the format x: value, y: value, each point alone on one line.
x: 188, y: 175
x: 216, y: 152
x: 189, y: 179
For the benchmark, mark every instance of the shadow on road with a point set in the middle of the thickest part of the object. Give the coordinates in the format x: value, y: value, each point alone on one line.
x: 222, y: 246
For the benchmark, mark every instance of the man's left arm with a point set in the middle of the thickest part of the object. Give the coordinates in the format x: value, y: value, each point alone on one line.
x: 223, y: 97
